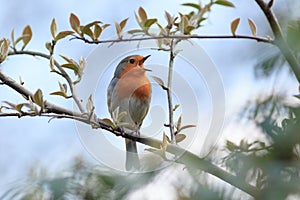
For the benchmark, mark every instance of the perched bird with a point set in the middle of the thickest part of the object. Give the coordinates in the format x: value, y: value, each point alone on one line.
x: 130, y: 91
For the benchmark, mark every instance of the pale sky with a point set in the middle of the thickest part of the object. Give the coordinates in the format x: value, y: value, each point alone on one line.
x: 28, y: 142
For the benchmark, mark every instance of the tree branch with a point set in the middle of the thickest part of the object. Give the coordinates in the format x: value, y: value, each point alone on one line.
x: 193, y: 161
x: 279, y: 40
x: 169, y: 91
x: 181, y: 37
x: 62, y: 72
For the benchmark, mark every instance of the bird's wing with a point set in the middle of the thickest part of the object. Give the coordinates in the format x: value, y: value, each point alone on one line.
x: 110, y: 91
x: 138, y: 110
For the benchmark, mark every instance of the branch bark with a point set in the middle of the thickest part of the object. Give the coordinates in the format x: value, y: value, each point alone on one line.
x: 169, y: 92
x: 180, y: 37
x: 279, y: 39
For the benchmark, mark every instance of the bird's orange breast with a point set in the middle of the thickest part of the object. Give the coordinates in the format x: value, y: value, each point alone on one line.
x: 134, y: 83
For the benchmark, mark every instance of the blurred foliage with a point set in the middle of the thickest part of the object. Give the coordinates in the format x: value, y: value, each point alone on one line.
x: 80, y: 181
x: 271, y: 164
x: 85, y: 181
x: 271, y: 59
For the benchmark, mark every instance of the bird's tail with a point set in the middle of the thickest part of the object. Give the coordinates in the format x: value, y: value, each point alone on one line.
x: 132, y: 158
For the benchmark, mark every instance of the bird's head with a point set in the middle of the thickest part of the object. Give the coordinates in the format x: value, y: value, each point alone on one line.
x: 129, y: 63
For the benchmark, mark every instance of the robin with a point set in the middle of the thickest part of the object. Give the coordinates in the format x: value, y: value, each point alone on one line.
x: 130, y: 91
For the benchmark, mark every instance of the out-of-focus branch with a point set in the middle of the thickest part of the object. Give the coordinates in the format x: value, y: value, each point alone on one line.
x: 62, y: 72
x: 194, y: 162
x: 279, y: 40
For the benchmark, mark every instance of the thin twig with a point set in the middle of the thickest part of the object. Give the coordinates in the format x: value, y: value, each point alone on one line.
x: 270, y: 4
x: 181, y: 37
x: 62, y: 72
x: 279, y: 40
x: 169, y: 91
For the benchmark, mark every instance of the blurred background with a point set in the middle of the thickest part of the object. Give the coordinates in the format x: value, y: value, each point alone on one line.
x: 28, y: 144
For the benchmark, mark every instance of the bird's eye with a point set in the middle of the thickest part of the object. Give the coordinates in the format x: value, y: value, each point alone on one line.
x: 131, y: 61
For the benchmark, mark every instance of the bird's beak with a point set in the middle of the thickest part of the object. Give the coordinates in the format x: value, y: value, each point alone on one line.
x: 144, y: 59
x: 141, y: 62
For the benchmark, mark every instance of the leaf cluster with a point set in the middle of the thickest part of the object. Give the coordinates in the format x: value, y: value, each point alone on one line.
x: 273, y: 165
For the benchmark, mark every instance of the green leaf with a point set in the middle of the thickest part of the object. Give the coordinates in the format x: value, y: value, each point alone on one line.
x: 67, y: 59
x: 159, y: 81
x: 119, y: 30
x: 26, y: 36
x: 104, y: 26
x: 166, y: 140
x: 230, y: 145
x: 71, y: 66
x: 200, y: 20
x: 4, y: 49
x: 224, y: 3
x: 252, y: 27
x: 188, y: 29
x: 120, y: 116
x: 244, y: 146
x: 134, y: 31
x: 75, y: 23
x: 89, y: 25
x: 149, y: 23
x: 82, y: 63
x: 19, y: 107
x: 53, y: 28
x: 88, y: 32
x: 38, y: 98
x: 193, y: 5
x: 48, y: 46
x: 186, y: 126
x: 19, y: 39
x: 293, y: 32
x: 97, y: 32
x: 62, y: 35
x: 120, y: 26
x: 184, y: 22
x: 169, y: 18
x: 163, y: 30
x: 12, y: 35
x: 234, y: 25
x: 60, y: 93
x: 142, y: 14
x: 87, y: 28
x: 179, y: 137
x: 123, y: 23
x: 52, y: 64
x: 178, y: 125
x: 109, y: 122
x: 90, y: 104
x: 31, y: 106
